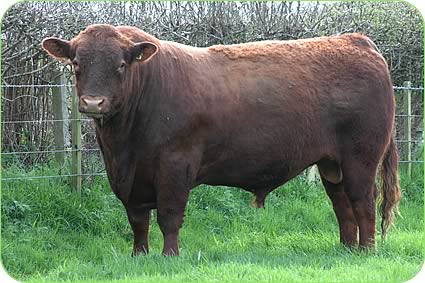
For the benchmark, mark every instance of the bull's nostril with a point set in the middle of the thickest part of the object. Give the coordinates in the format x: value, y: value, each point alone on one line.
x: 93, y: 104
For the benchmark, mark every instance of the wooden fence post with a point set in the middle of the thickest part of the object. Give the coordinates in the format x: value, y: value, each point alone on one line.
x: 313, y: 174
x: 60, y: 113
x: 76, y: 143
x: 407, y: 126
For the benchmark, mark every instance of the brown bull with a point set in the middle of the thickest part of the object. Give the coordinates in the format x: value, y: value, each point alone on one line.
x: 170, y: 117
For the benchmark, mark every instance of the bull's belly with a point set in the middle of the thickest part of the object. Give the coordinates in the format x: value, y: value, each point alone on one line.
x: 249, y: 175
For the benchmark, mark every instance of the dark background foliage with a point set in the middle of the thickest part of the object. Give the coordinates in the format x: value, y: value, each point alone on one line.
x: 395, y: 27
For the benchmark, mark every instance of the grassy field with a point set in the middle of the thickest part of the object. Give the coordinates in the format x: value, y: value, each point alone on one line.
x: 52, y: 234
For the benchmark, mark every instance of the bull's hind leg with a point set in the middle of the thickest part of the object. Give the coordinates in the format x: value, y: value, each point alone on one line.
x: 348, y: 228
x: 359, y: 183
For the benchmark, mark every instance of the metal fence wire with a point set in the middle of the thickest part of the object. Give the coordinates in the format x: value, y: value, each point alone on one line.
x: 20, y: 145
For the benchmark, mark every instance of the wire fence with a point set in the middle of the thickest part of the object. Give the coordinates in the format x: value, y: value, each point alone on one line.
x: 93, y: 164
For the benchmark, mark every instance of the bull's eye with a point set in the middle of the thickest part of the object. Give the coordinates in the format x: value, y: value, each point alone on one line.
x: 121, y: 68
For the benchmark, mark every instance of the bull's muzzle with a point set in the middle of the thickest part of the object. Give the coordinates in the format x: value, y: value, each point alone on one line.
x: 94, y: 106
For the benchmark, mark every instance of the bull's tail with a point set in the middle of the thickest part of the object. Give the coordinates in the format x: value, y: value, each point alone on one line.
x: 390, y: 186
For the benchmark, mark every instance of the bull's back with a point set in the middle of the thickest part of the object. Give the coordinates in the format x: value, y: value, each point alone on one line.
x: 300, y: 84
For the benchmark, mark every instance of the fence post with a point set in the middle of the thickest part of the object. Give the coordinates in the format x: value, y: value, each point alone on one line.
x: 312, y: 174
x: 60, y: 113
x: 407, y: 125
x: 76, y: 143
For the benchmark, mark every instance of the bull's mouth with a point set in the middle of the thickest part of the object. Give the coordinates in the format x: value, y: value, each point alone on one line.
x: 99, y: 118
x: 93, y: 114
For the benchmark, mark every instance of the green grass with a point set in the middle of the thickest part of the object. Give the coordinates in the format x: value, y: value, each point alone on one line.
x: 52, y: 234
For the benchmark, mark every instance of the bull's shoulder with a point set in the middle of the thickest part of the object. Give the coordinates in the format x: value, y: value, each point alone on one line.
x: 182, y: 52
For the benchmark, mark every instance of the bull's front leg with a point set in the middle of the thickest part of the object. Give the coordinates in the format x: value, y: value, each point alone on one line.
x: 170, y: 220
x: 174, y: 184
x: 139, y: 219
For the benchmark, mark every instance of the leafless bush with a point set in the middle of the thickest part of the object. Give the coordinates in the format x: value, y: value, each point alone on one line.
x: 395, y: 27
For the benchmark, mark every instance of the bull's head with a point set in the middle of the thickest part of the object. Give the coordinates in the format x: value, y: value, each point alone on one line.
x: 102, y: 58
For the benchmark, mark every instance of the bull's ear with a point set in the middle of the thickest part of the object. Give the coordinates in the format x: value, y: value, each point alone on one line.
x: 57, y: 48
x: 143, y: 51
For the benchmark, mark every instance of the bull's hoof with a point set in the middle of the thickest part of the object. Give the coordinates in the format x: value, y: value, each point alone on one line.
x: 255, y: 203
x: 170, y: 252
x: 142, y: 252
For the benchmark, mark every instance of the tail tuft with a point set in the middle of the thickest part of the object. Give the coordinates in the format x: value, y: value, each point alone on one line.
x: 390, y: 187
